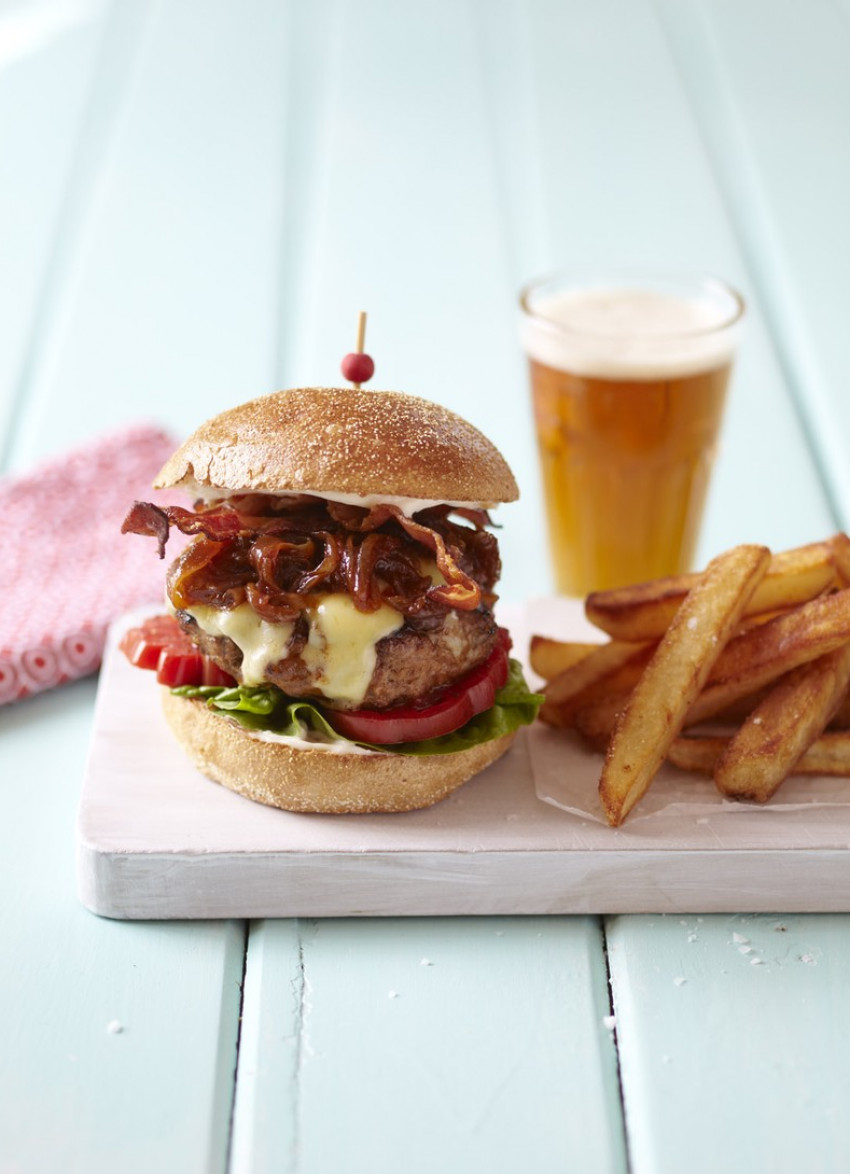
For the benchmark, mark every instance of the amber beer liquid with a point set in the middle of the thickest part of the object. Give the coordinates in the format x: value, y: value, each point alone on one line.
x: 628, y: 403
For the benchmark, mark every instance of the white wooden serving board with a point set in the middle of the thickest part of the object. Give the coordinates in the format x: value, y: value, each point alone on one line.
x: 155, y: 839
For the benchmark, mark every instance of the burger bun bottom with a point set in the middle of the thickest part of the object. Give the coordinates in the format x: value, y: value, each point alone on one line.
x: 307, y: 780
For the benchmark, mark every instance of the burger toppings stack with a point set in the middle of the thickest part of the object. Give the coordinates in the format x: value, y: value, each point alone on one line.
x: 330, y: 643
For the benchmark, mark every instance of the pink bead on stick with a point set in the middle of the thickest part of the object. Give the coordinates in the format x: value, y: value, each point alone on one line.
x: 358, y: 367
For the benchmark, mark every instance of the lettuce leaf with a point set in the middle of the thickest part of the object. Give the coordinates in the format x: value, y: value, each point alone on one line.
x: 264, y: 707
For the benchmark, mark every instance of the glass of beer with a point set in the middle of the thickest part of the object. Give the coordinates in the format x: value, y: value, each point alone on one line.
x: 628, y: 376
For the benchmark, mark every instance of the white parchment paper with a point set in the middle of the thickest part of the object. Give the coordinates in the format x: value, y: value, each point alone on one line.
x: 566, y: 773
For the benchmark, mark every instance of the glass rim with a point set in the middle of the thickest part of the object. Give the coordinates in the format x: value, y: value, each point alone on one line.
x: 632, y: 277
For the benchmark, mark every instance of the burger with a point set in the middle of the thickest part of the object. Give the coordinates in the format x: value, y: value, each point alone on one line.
x: 330, y: 644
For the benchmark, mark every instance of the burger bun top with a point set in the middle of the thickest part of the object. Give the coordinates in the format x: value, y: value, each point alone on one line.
x: 343, y: 442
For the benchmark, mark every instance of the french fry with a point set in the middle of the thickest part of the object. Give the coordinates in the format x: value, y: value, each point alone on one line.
x: 794, y: 577
x: 610, y: 667
x: 642, y: 611
x: 840, y: 720
x: 828, y: 755
x: 657, y: 708
x: 697, y: 753
x: 549, y: 657
x: 739, y: 709
x: 764, y: 645
x: 646, y: 610
x: 764, y: 653
x: 839, y: 546
x: 595, y: 718
x: 782, y: 727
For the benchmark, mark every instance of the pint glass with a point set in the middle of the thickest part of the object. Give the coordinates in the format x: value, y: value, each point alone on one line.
x: 628, y: 381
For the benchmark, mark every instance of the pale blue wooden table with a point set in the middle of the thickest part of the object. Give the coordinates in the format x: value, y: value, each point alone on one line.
x: 195, y: 200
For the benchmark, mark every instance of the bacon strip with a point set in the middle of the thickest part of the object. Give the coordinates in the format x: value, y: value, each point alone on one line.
x: 460, y: 590
x: 218, y: 524
x: 148, y: 520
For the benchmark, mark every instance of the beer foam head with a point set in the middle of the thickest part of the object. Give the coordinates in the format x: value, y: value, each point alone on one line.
x: 631, y: 332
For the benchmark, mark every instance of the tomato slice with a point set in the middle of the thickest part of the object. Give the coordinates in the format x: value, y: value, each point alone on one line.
x: 213, y: 675
x: 159, y: 643
x: 143, y: 645
x: 471, y: 695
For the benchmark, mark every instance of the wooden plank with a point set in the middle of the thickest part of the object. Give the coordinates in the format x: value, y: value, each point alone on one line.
x: 732, y: 1038
x: 273, y: 1047
x: 156, y: 839
x: 770, y: 87
x: 168, y: 308
x: 47, y: 60
x: 119, y: 1040
x: 424, y: 1045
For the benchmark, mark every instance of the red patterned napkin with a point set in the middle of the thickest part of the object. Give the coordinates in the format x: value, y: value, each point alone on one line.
x: 67, y: 569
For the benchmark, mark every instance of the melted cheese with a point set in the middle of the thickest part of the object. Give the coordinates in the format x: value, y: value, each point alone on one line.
x: 429, y: 568
x: 340, y: 651
x: 341, y: 647
x: 260, y: 642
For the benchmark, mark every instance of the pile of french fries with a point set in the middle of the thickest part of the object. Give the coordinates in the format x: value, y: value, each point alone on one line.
x: 756, y: 648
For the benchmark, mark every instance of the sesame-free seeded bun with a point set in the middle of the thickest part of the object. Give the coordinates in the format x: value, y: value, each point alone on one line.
x: 342, y: 441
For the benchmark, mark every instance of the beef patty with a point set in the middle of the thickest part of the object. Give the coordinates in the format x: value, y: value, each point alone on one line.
x: 411, y: 663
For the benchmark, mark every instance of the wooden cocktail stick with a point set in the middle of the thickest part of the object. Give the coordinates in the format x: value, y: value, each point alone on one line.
x: 358, y: 367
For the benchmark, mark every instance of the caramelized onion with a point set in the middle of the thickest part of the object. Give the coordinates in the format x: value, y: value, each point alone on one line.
x: 324, y: 569
x: 276, y: 552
